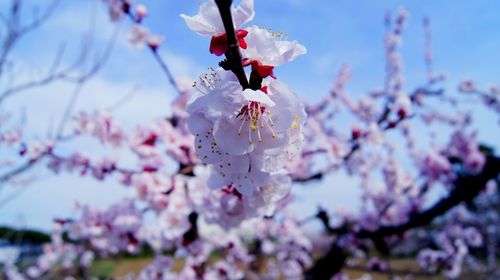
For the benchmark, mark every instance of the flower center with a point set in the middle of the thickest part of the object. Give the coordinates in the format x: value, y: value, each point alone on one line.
x: 256, y: 117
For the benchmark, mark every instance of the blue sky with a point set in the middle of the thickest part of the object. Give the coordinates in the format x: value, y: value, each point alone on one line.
x: 466, y: 43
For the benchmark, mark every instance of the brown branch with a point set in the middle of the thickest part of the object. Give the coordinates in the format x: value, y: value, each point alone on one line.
x: 165, y: 68
x: 467, y: 187
x: 20, y: 169
x: 15, y: 30
x: 56, y: 73
x: 392, y: 271
x: 154, y: 51
x: 233, y: 54
x: 316, y: 176
x: 328, y: 265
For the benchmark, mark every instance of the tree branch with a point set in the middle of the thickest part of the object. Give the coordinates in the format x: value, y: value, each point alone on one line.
x: 233, y: 54
x: 467, y: 187
x: 154, y: 50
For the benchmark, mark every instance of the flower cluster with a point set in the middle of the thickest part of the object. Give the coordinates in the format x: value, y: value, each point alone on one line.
x: 453, y: 244
x: 109, y: 231
x: 287, y: 247
x: 246, y: 135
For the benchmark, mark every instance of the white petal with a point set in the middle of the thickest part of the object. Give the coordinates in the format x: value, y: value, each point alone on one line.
x: 289, y: 107
x: 207, y: 21
x: 223, y: 100
x: 197, y: 123
x: 207, y: 149
x: 258, y: 96
x: 267, y: 49
x: 243, y: 13
x: 269, y: 163
x: 271, y: 143
x: 205, y: 146
x: 233, y: 164
x: 261, y: 46
x: 277, y: 188
x: 217, y: 181
x: 229, y: 140
x: 198, y: 25
x: 289, y: 51
x: 247, y: 183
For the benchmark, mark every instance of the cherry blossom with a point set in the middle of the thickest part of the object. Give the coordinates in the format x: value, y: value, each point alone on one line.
x: 140, y: 36
x: 117, y: 8
x: 265, y: 50
x: 208, y: 23
x: 141, y: 11
x: 236, y: 129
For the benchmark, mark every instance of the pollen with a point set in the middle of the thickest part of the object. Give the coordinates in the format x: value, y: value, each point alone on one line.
x: 208, y: 81
x: 255, y: 117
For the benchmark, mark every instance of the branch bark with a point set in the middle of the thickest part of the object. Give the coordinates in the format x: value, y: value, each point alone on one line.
x: 233, y: 54
x: 467, y: 187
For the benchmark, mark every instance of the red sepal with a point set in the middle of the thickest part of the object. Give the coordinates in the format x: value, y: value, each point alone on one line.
x: 241, y: 34
x: 263, y: 70
x: 218, y: 44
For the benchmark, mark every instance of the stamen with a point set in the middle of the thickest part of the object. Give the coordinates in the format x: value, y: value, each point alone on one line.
x: 258, y: 133
x: 241, y: 125
x: 295, y: 124
x: 258, y: 117
x: 273, y: 134
x: 249, y: 136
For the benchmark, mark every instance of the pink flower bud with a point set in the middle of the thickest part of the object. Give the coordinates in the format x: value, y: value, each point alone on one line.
x: 231, y: 204
x: 141, y: 11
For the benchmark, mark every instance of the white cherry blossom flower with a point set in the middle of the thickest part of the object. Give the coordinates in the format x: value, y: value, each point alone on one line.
x: 139, y: 36
x: 402, y: 105
x: 209, y: 23
x: 245, y: 134
x: 229, y: 121
x: 267, y: 50
x: 141, y: 11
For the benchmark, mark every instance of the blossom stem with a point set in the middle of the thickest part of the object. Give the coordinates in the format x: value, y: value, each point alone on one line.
x: 233, y: 54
